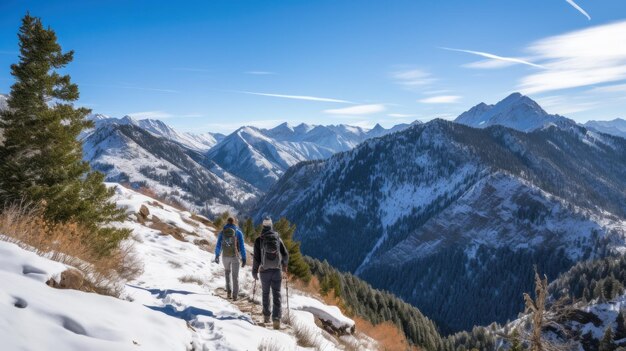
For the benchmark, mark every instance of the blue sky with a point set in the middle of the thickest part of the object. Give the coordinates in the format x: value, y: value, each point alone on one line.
x: 216, y: 65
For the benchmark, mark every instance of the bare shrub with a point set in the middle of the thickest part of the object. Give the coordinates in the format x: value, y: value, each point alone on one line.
x: 387, y: 334
x: 69, y: 243
x: 271, y: 345
x: 191, y: 279
x: 305, y: 335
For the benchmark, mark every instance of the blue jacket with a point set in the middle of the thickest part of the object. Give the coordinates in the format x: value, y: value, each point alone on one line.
x: 242, y: 248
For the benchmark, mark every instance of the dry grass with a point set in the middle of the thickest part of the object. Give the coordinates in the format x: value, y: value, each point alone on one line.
x: 191, y: 279
x: 387, y: 334
x: 151, y: 193
x: 305, y: 335
x: 271, y: 345
x: 68, y: 243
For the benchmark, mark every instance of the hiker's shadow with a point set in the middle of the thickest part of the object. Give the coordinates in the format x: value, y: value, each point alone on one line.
x: 163, y: 293
x: 190, y: 313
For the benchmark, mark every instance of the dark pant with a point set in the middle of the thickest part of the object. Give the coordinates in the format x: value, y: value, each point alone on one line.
x: 271, y: 278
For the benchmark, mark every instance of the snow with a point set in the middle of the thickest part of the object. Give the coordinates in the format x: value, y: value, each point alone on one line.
x: 330, y: 314
x: 73, y: 320
x: 163, y: 312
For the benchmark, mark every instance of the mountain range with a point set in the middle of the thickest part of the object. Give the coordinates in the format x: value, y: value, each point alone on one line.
x: 614, y: 127
x: 452, y: 218
x: 209, y: 172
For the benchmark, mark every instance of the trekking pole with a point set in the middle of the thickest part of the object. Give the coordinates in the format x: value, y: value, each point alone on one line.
x: 287, y: 286
x: 253, y: 291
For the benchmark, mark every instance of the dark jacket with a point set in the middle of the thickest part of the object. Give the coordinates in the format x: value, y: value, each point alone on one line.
x: 257, y: 252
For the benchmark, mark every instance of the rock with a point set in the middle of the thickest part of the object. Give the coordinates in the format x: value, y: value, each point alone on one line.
x: 70, y: 279
x: 144, y: 212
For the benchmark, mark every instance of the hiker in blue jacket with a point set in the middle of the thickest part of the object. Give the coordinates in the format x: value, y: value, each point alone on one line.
x: 229, y: 243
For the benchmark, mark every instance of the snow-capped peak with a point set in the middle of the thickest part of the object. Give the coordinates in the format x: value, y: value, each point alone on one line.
x: 516, y: 111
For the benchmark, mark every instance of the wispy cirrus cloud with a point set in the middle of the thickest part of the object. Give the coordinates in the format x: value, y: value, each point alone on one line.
x: 441, y: 99
x: 413, y: 77
x: 357, y: 110
x: 580, y: 9
x: 495, y: 61
x: 565, y: 105
x: 160, y: 115
x: 260, y: 73
x: 615, y: 88
x: 586, y: 57
x: 298, y: 97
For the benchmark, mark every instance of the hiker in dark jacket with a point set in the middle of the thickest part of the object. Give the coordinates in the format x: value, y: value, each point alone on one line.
x: 229, y: 243
x: 270, y: 259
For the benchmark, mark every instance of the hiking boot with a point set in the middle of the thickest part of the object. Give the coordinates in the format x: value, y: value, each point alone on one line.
x: 229, y: 295
x: 266, y: 319
x: 235, y: 298
x: 276, y: 323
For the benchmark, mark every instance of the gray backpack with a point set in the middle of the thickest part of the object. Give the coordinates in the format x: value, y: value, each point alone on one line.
x: 270, y: 251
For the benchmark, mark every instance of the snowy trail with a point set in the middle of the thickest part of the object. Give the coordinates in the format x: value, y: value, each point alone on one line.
x: 174, y: 305
x: 181, y: 281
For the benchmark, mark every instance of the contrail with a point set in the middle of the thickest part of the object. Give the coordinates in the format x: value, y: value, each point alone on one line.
x: 580, y: 9
x: 496, y: 57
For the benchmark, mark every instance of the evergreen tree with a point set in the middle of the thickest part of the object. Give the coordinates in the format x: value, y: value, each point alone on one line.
x: 516, y: 345
x: 41, y: 158
x: 620, y: 331
x: 248, y: 230
x: 297, y: 264
x: 607, y: 344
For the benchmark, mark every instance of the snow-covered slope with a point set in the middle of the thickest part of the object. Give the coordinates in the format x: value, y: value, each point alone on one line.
x: 260, y: 160
x: 34, y: 316
x: 515, y: 111
x: 261, y: 156
x: 615, y: 127
x: 175, y: 304
x: 444, y: 206
x: 201, y: 142
x: 129, y: 154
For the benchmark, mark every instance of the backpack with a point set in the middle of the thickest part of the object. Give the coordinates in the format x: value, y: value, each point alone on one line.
x: 229, y: 242
x: 270, y: 251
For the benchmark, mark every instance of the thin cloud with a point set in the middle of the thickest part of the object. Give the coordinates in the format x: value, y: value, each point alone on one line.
x: 413, y: 77
x: 260, y: 73
x: 580, y: 9
x: 590, y: 56
x: 441, y: 99
x: 565, y: 105
x: 298, y: 97
x: 357, y: 110
x: 617, y: 88
x: 488, y: 64
x: 512, y: 60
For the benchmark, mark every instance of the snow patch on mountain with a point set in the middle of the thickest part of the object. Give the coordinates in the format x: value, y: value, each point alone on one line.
x: 615, y: 127
x: 515, y: 111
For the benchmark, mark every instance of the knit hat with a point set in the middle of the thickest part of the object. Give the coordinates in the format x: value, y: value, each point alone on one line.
x: 267, y: 222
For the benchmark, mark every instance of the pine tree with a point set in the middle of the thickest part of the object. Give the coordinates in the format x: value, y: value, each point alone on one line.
x: 516, y: 345
x: 607, y: 344
x: 620, y: 330
x: 41, y: 158
x: 248, y: 230
x: 297, y: 264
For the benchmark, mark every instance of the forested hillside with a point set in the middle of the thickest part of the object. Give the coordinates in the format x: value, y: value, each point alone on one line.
x: 451, y: 218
